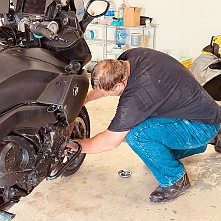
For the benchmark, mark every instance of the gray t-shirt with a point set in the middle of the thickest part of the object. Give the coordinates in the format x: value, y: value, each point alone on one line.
x: 159, y: 86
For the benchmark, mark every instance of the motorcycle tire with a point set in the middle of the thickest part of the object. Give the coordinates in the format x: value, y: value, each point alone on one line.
x: 213, y: 88
x: 81, y: 130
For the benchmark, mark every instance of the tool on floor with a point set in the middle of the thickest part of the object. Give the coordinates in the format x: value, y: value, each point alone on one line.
x: 124, y: 173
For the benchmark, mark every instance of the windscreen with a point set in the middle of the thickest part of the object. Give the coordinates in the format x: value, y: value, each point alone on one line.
x: 34, y: 6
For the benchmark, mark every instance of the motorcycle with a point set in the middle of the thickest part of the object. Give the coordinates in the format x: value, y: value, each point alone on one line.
x: 43, y: 85
x: 207, y: 70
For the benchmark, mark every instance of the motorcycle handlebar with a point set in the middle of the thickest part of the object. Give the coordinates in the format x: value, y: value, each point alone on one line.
x: 39, y: 29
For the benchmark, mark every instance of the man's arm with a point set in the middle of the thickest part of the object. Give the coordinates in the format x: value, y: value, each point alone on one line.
x: 103, y: 141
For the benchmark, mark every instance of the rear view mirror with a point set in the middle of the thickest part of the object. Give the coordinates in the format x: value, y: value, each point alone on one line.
x: 94, y: 9
x: 97, y: 8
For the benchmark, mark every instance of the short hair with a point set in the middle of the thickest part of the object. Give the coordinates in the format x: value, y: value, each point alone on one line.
x: 107, y: 73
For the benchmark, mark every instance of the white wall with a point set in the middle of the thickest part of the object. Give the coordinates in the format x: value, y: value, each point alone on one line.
x: 183, y: 25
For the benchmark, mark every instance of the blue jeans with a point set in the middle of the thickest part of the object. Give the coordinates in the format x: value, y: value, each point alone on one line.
x: 162, y: 142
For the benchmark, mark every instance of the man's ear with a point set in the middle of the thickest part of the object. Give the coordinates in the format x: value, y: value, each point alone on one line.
x: 122, y: 84
x: 119, y: 85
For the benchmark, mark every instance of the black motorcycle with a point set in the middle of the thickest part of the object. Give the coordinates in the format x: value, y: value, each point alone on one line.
x: 43, y: 86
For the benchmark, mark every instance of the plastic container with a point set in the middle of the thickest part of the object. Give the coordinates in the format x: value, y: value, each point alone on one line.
x: 107, y: 20
x: 120, y: 12
x: 135, y: 39
x: 108, y: 17
x: 90, y: 34
x: 120, y: 36
x: 117, y: 22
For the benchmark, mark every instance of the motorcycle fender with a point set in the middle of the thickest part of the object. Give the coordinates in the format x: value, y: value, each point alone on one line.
x: 68, y: 92
x: 25, y: 117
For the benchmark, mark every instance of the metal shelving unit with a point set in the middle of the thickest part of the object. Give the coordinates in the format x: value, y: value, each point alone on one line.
x: 104, y: 39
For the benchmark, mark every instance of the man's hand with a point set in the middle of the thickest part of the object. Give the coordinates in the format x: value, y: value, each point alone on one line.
x: 73, y: 144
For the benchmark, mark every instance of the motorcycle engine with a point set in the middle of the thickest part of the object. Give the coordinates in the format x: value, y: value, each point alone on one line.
x: 16, y: 158
x: 26, y: 162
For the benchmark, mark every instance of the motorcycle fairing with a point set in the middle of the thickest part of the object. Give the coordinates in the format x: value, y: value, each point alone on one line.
x: 28, y: 59
x: 22, y: 116
x: 28, y: 4
x: 39, y: 80
x: 43, y: 55
x: 75, y: 89
x: 24, y: 78
x: 73, y: 48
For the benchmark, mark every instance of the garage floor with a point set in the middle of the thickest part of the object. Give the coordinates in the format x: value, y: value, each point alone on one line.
x: 97, y: 193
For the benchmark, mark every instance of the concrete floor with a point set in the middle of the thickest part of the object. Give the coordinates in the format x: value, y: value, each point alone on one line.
x: 97, y: 193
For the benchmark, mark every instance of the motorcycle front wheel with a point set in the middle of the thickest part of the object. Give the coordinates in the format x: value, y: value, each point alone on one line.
x: 81, y: 130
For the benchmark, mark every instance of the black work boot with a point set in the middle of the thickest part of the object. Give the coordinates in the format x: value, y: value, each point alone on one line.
x: 167, y: 194
x: 217, y: 142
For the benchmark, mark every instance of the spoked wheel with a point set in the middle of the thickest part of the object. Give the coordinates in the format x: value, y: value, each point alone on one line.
x: 80, y: 130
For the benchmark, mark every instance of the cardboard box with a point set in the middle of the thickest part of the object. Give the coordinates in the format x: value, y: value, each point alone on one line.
x: 132, y: 16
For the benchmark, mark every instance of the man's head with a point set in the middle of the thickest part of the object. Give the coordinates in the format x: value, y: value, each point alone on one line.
x: 110, y: 75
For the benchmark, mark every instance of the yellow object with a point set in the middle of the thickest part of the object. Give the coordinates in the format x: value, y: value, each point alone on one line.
x: 186, y: 61
x: 217, y: 40
x: 214, y: 48
x: 206, y: 52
